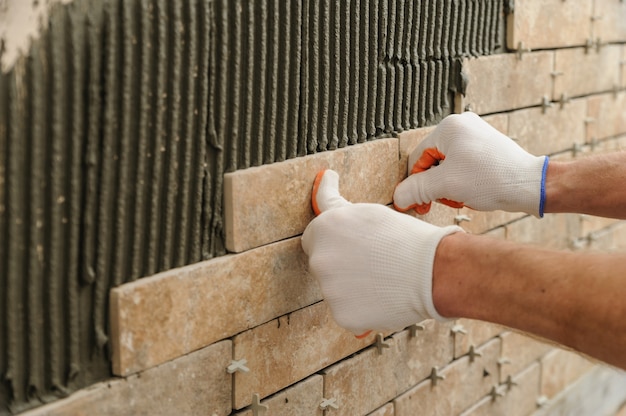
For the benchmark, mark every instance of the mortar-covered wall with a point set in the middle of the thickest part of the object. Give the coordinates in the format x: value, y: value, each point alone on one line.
x: 116, y: 129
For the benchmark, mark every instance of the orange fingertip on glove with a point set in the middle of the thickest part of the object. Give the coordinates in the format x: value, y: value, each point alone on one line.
x: 316, y: 187
x: 429, y: 158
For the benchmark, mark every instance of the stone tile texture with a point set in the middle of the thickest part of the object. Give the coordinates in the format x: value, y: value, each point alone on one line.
x: 549, y: 24
x: 272, y: 202
x: 173, y: 313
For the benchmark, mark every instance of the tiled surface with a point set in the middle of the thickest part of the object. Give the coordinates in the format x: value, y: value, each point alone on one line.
x: 505, y: 82
x: 474, y: 334
x: 465, y: 383
x: 518, y: 399
x: 366, y: 381
x: 272, y: 202
x: 549, y: 24
x: 584, y: 71
x: 607, y: 116
x: 519, y: 351
x: 553, y: 130
x: 560, y: 368
x: 288, y: 349
x: 386, y: 410
x: 199, y: 380
x: 173, y: 313
x: 302, y: 399
x: 608, y: 24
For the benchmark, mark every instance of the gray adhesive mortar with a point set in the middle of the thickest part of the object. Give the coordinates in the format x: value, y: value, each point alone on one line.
x: 118, y: 120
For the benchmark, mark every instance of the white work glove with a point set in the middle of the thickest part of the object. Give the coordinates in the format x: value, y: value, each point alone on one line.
x: 374, y: 265
x: 473, y: 165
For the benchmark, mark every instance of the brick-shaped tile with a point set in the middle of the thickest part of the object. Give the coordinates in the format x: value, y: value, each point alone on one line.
x: 553, y: 130
x: 518, y: 398
x: 606, y: 116
x: 173, y: 313
x: 368, y: 380
x: 560, y: 368
x: 583, y: 71
x: 548, y: 24
x: 286, y: 350
x: 196, y: 384
x: 519, y: 351
x: 608, y: 21
x: 505, y: 82
x: 302, y: 399
x: 272, y: 202
x: 466, y: 382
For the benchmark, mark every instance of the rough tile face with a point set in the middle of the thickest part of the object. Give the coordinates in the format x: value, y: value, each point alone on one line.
x: 549, y: 24
x: 505, y: 82
x: 272, y: 202
x: 585, y: 72
x: 559, y: 368
x: 288, y: 349
x: 518, y: 400
x: 608, y: 25
x: 303, y: 399
x: 552, y: 131
x: 199, y: 380
x: 170, y: 314
x: 368, y: 380
x: 519, y: 351
x: 464, y: 384
x: 607, y: 116
x: 552, y: 231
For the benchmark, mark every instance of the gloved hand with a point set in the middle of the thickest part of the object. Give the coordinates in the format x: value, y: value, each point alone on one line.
x: 374, y: 265
x: 465, y: 161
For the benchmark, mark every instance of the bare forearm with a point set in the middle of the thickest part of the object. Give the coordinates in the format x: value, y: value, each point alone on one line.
x: 594, y: 185
x: 574, y: 299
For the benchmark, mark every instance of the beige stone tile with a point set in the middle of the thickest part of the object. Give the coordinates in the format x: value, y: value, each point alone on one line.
x: 497, y: 233
x: 159, y: 318
x: 272, y: 202
x: 368, y: 380
x: 386, y: 410
x: 191, y: 385
x: 552, y: 131
x: 464, y: 384
x: 519, y: 351
x: 483, y: 221
x: 592, y: 224
x: 499, y: 122
x: 583, y: 72
x: 505, y: 82
x: 549, y: 24
x: 623, y: 67
x: 560, y: 368
x: 286, y: 350
x: 475, y: 333
x: 606, y: 116
x: 302, y: 399
x: 552, y: 231
x: 608, y: 22
x: 518, y: 400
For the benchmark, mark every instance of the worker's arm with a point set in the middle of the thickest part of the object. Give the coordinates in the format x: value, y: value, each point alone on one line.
x: 575, y: 299
x: 382, y: 270
x: 593, y: 185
